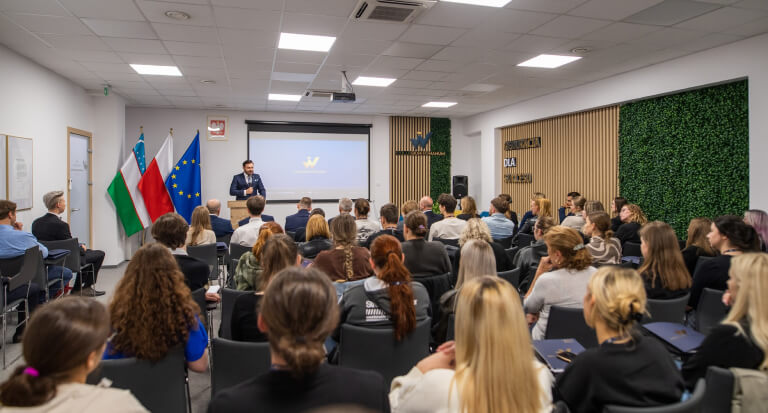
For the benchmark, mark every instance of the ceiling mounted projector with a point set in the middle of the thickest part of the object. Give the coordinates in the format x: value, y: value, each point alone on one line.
x: 343, y: 97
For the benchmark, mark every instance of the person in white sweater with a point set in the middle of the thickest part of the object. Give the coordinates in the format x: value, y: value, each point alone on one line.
x: 482, y: 371
x: 62, y: 344
x: 576, y: 221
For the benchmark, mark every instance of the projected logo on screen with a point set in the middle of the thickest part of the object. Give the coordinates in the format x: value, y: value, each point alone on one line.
x: 310, y: 163
x: 420, y: 141
x: 309, y: 166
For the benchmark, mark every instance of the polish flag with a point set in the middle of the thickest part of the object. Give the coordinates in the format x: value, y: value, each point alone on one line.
x: 152, y: 183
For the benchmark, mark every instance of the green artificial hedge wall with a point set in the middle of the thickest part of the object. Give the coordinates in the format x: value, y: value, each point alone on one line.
x: 440, y: 166
x: 686, y: 155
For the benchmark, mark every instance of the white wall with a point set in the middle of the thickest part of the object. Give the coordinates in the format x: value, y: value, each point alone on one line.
x: 744, y: 59
x: 221, y: 160
x: 465, y: 157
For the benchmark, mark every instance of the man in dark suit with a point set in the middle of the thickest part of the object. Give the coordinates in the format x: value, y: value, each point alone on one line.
x: 171, y: 230
x: 220, y: 226
x: 425, y: 204
x: 300, y: 218
x: 247, y: 184
x: 388, y: 217
x: 50, y: 227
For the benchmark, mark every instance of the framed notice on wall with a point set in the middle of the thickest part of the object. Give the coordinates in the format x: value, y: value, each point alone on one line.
x: 20, y: 166
x: 218, y: 128
x: 3, y: 166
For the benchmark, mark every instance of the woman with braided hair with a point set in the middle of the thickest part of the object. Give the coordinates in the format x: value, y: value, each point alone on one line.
x: 626, y: 369
x: 346, y: 261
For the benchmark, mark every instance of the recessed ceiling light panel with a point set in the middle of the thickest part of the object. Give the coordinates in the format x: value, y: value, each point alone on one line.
x: 373, y: 81
x: 549, y: 61
x: 288, y: 98
x: 438, y: 104
x: 156, y: 70
x: 488, y: 3
x: 307, y: 42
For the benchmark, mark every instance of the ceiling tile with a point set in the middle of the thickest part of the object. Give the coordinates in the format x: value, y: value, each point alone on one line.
x: 192, y: 49
x: 75, y: 42
x: 370, y: 30
x: 621, y: 32
x: 298, y: 56
x: 249, y: 38
x: 181, y: 33
x: 376, y: 71
x: 666, y: 38
x: 750, y: 29
x: 135, y: 45
x: 569, y: 26
x: 455, y: 15
x: 259, y: 54
x: 116, y: 28
x: 753, y: 4
x: 710, y: 41
x: 485, y: 38
x: 396, y: 62
x: 109, y: 67
x: 671, y: 12
x: 46, y: 7
x: 200, y: 15
x: 90, y: 55
x: 550, y: 6
x: 289, y: 88
x: 238, y: 66
x: 250, y: 4
x: 296, y: 68
x: 197, y: 61
x: 460, y: 54
x: 148, y: 59
x: 612, y: 9
x: 234, y: 18
x: 292, y: 77
x: 203, y: 72
x: 50, y: 24
x: 431, y: 34
x: 721, y: 19
x: 352, y: 60
x: 340, y: 8
x: 440, y: 66
x: 111, y: 77
x: 402, y: 49
x: 103, y: 9
x: 312, y: 24
x: 537, y: 44
x: 361, y: 46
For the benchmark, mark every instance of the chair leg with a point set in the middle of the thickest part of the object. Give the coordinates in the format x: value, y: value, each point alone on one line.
x: 189, y: 393
x: 5, y: 315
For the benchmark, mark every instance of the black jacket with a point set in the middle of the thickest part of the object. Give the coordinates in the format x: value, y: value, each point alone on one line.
x: 432, y: 218
x: 426, y: 257
x: 50, y: 227
x: 221, y: 226
x: 316, y: 245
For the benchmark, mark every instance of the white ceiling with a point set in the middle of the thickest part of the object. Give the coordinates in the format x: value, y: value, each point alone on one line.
x: 453, y: 52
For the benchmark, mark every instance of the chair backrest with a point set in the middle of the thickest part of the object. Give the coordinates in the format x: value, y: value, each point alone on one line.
x: 710, y: 310
x: 22, y: 269
x: 73, y: 246
x: 512, y: 252
x: 504, y: 242
x: 699, y: 262
x: 524, y: 240
x: 236, y: 250
x: 512, y: 276
x: 160, y: 387
x: 376, y: 349
x: 10, y: 267
x: 224, y: 238
x: 720, y: 390
x: 452, y: 242
x: 206, y: 253
x: 631, y: 249
x: 228, y: 298
x: 450, y: 332
x: 569, y: 323
x: 199, y: 297
x: 692, y: 405
x: 671, y: 310
x: 436, y: 286
x: 236, y: 361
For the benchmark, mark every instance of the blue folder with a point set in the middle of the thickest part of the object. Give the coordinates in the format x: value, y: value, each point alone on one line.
x: 221, y: 246
x: 57, y: 253
x: 680, y: 337
x: 548, y: 349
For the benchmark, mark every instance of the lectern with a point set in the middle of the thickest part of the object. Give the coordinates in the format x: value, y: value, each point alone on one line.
x: 237, y: 211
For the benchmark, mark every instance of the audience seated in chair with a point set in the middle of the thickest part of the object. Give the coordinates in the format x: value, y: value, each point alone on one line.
x: 449, y: 227
x: 758, y: 219
x: 170, y: 230
x: 500, y: 226
x: 603, y: 246
x: 478, y: 261
x: 529, y: 257
x: 697, y: 245
x: 575, y: 219
x: 300, y: 234
x: 468, y: 209
x: 425, y: 205
x: 346, y: 261
x: 50, y: 227
x: 561, y: 278
x: 476, y: 229
x: 730, y: 236
x: 63, y: 343
x: 388, y: 219
x: 300, y: 218
x: 318, y: 237
x: 566, y: 210
x: 405, y: 209
x: 449, y: 380
x: 297, y: 313
x: 249, y: 268
x: 421, y: 256
x: 247, y: 234
x: 220, y: 226
x: 510, y: 214
x: 365, y: 227
x: 592, y: 206
x: 616, y: 206
x: 529, y: 214
x: 742, y: 338
x: 540, y: 207
x: 663, y: 269
x: 279, y: 252
x: 152, y: 311
x: 346, y: 206
x: 632, y: 218
x: 200, y: 232
x: 627, y: 369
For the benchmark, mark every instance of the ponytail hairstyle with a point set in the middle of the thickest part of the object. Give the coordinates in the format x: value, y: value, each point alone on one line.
x: 619, y: 295
x: 344, y: 233
x: 58, y: 340
x: 267, y: 230
x: 387, y: 256
x: 664, y: 260
x: 602, y: 223
x: 416, y: 222
x: 544, y: 224
x: 362, y: 207
x: 299, y: 310
x: 741, y: 235
x: 279, y: 252
x: 749, y: 273
x: 571, y: 245
x: 697, y: 235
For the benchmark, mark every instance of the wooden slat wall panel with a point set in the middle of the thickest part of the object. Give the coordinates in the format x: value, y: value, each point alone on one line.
x: 579, y: 152
x: 409, y: 175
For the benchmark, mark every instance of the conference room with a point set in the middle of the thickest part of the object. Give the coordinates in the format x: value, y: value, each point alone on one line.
x: 246, y: 117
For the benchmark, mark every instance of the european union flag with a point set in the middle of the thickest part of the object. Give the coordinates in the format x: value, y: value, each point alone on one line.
x: 184, y: 181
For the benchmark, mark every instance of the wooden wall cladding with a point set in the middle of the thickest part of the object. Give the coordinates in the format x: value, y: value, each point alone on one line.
x: 409, y: 175
x: 579, y: 152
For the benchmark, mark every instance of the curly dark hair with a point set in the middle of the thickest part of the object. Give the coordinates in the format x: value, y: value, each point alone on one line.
x: 152, y: 310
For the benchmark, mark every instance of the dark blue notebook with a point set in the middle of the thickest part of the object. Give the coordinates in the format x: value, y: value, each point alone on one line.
x: 57, y: 253
x: 221, y: 246
x: 682, y: 338
x: 548, y: 349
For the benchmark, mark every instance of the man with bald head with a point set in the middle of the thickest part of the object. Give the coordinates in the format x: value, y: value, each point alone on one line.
x: 220, y: 226
x: 425, y: 205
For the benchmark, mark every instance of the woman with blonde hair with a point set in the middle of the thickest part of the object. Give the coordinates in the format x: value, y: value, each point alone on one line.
x: 626, y: 369
x: 742, y: 338
x: 200, y: 231
x: 603, y: 246
x: 482, y: 371
x: 407, y: 207
x: 697, y: 244
x: 561, y: 278
x: 540, y: 207
x: 477, y: 229
x: 318, y: 237
x: 663, y: 269
x: 632, y: 218
x: 249, y: 268
x: 468, y: 209
x: 346, y: 261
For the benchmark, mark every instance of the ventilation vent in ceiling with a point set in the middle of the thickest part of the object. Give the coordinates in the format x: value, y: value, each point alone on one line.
x: 398, y: 11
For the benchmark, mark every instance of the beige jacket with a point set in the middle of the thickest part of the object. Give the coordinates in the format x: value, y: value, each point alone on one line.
x: 85, y: 398
x: 207, y: 237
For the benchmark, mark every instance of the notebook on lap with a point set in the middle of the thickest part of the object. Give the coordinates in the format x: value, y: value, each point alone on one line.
x: 548, y: 350
x: 680, y: 337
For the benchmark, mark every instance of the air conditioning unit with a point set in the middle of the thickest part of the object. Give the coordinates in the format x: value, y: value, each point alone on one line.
x: 398, y: 11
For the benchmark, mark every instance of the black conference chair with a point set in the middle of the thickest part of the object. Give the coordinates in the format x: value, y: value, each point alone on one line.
x: 446, y: 241
x: 692, y: 405
x: 160, y: 386
x: 205, y: 308
x: 631, y: 249
x: 224, y: 238
x: 670, y: 311
x: 569, y: 323
x: 719, y: 390
x: 236, y: 250
x: 524, y: 240
x: 18, y: 278
x: 78, y: 268
x: 450, y: 333
x: 511, y: 276
x: 236, y: 361
x: 436, y: 286
x: 228, y: 298
x: 391, y: 358
x: 208, y: 254
x: 710, y: 311
x: 504, y: 242
x: 512, y: 252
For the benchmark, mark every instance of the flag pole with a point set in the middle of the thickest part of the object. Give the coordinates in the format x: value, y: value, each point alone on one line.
x: 171, y: 131
x: 141, y: 233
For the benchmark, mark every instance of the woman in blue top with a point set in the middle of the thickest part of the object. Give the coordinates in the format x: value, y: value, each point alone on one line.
x: 153, y: 311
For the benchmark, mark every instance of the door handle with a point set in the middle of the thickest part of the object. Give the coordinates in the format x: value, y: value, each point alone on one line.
x: 74, y: 209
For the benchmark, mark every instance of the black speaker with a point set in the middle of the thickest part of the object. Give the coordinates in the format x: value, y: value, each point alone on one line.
x: 460, y: 186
